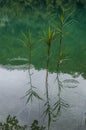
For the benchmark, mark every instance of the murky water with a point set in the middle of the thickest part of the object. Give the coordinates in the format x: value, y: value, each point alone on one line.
x: 14, y: 84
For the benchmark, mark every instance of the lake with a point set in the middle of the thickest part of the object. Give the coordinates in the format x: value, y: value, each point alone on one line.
x: 14, y: 84
x: 65, y: 63
x: 73, y: 42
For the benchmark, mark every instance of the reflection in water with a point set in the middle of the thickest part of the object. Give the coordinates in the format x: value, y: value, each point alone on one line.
x: 28, y: 44
x: 31, y: 93
x: 13, y: 85
x: 60, y: 103
x: 48, y: 110
x: 63, y: 22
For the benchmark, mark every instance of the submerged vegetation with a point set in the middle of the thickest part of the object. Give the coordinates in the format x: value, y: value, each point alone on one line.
x: 27, y: 48
x: 60, y: 103
x: 49, y: 41
x: 50, y: 38
x: 12, y: 123
x: 64, y: 22
x: 35, y: 126
x: 29, y: 44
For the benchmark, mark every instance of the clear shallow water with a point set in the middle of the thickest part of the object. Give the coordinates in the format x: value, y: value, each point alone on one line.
x: 14, y: 84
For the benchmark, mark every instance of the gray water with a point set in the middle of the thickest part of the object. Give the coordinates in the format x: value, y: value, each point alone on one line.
x: 14, y: 84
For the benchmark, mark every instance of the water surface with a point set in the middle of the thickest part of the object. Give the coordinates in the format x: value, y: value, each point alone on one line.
x: 14, y: 84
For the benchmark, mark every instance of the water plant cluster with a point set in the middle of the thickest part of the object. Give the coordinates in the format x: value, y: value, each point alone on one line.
x: 53, y: 34
x: 12, y: 123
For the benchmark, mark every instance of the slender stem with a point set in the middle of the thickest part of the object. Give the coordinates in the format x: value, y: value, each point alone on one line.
x: 46, y: 83
x: 47, y: 67
x: 58, y: 65
x: 60, y: 47
x: 59, y: 94
x: 29, y: 69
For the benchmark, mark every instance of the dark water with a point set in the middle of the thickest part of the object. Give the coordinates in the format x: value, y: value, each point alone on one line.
x: 14, y: 84
x: 73, y: 44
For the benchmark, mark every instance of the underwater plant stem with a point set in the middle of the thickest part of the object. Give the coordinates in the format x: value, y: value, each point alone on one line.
x: 29, y: 56
x: 46, y: 83
x: 58, y: 67
x: 59, y: 92
x: 60, y: 48
x: 47, y: 66
x: 29, y: 71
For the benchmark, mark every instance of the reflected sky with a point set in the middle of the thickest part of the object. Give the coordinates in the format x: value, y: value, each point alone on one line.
x: 14, y: 84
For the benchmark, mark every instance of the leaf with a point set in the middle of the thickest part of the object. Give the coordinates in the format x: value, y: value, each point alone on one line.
x: 49, y: 32
x: 68, y: 16
x: 30, y: 97
x: 59, y: 29
x: 49, y: 120
x: 29, y: 91
x: 62, y: 19
x: 36, y: 95
x: 56, y: 106
x: 24, y: 43
x: 46, y: 111
x: 64, y: 104
x: 25, y: 36
x: 68, y: 24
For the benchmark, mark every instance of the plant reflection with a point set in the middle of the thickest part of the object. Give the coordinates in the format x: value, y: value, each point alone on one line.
x: 48, y: 37
x: 61, y: 103
x: 29, y: 44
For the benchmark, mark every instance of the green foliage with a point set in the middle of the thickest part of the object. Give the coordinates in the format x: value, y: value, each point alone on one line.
x: 11, y: 124
x: 28, y: 42
x: 35, y: 126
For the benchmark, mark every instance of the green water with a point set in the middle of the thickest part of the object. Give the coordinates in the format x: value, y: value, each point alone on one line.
x: 74, y: 46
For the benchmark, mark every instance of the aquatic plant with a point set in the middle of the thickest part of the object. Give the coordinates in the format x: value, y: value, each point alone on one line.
x: 48, y: 39
x: 28, y: 44
x: 63, y: 22
x: 60, y: 103
x: 35, y: 126
x: 11, y: 123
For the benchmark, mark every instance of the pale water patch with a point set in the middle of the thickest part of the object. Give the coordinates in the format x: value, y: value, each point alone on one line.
x: 14, y: 84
